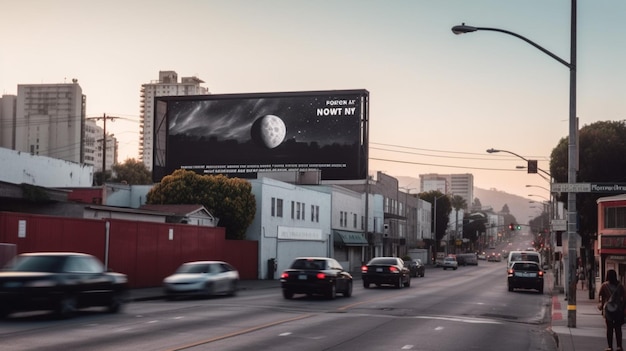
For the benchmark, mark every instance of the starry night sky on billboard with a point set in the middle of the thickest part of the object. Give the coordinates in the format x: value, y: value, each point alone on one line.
x: 232, y: 119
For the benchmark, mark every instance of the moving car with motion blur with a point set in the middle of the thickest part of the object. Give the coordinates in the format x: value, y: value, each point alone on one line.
x: 525, y: 275
x: 450, y: 262
x: 62, y: 282
x: 202, y: 278
x: 386, y: 271
x: 316, y: 276
x: 416, y: 267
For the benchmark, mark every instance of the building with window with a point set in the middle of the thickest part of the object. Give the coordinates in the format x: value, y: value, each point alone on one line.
x: 166, y: 85
x: 611, y: 243
x: 452, y: 184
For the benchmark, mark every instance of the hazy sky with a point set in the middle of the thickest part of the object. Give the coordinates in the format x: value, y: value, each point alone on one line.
x: 437, y: 100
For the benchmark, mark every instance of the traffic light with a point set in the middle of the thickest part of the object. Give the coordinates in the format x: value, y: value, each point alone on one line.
x: 532, y: 166
x: 518, y: 227
x: 511, y: 227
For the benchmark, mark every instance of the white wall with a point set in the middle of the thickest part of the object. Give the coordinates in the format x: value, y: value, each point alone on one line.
x: 43, y: 171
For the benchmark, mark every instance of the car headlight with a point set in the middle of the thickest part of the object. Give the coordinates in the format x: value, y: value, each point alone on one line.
x: 39, y: 284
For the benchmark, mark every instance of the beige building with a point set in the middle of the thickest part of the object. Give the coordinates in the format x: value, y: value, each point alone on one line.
x: 49, y: 121
x: 167, y: 85
x: 455, y: 184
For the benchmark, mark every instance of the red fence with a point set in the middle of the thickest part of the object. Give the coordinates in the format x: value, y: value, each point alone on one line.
x: 145, y: 251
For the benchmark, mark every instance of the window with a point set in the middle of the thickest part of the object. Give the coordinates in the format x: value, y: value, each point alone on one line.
x: 315, y: 213
x: 615, y: 217
x: 277, y: 207
x: 293, y: 210
x: 354, y: 220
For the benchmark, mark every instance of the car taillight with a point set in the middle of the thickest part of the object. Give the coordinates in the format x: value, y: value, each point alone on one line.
x: 511, y: 271
x: 541, y: 273
x: 363, y: 269
x: 393, y: 269
x: 321, y: 276
x: 285, y: 275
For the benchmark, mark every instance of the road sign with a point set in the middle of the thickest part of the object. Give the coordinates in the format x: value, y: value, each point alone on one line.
x: 611, y: 188
x: 558, y: 225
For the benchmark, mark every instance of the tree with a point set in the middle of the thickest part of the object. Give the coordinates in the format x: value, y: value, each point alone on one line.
x: 602, y: 146
x: 458, y: 203
x: 442, y: 210
x: 229, y: 199
x: 132, y: 172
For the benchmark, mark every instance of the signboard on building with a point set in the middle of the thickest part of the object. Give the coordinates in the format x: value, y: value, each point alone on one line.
x: 558, y: 225
x: 242, y: 134
x: 613, y: 241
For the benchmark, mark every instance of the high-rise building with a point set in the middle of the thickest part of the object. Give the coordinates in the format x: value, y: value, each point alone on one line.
x: 49, y: 121
x: 7, y: 121
x: 455, y: 184
x: 167, y: 85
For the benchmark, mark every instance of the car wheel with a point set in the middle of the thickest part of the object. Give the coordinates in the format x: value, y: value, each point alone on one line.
x: 209, y: 290
x: 408, y: 283
x: 422, y: 275
x: 540, y: 289
x: 287, y: 294
x: 510, y: 288
x: 348, y: 291
x: 454, y: 268
x: 66, y: 307
x: 399, y: 283
x: 332, y: 292
x: 116, y: 302
x: 233, y: 288
x: 366, y: 285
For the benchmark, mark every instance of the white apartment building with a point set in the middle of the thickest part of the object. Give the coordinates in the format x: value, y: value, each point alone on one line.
x: 93, y: 147
x: 49, y: 121
x: 167, y: 85
x: 455, y: 184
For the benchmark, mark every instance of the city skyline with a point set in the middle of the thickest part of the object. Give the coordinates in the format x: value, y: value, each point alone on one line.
x: 438, y: 101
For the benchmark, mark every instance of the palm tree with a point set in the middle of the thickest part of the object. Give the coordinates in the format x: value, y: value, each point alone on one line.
x: 457, y: 202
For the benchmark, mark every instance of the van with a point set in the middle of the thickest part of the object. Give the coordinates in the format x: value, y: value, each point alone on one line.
x: 524, y: 256
x: 465, y: 259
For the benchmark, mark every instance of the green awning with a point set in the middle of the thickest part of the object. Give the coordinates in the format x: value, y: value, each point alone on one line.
x: 346, y: 238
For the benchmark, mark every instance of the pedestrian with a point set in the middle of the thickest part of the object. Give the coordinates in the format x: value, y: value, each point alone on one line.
x: 612, y: 291
x: 581, y: 277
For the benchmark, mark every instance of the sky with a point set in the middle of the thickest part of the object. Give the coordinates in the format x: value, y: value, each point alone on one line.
x: 438, y: 101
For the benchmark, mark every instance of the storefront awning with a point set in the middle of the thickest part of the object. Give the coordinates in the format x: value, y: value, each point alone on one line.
x: 346, y: 238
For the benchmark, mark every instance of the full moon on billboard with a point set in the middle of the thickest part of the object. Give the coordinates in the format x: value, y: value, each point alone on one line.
x: 268, y: 131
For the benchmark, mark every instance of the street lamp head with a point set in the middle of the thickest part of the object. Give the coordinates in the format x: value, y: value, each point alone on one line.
x: 492, y: 150
x: 462, y: 29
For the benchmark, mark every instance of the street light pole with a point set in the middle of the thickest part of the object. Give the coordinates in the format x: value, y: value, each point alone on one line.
x: 572, y: 158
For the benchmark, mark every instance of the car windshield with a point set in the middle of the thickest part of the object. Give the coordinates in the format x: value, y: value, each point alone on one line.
x: 528, y: 267
x: 50, y: 264
x: 194, y: 268
x: 384, y: 261
x: 309, y: 264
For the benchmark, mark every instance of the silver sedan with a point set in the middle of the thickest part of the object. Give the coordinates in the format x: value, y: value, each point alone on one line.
x: 203, y: 278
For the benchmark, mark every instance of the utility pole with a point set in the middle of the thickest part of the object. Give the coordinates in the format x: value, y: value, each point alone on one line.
x: 104, y: 140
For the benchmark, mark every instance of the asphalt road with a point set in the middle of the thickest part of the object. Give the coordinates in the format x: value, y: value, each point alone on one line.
x: 466, y: 309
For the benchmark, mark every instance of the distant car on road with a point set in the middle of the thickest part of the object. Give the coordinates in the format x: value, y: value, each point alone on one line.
x: 62, y: 282
x: 202, y: 278
x: 386, y: 271
x: 416, y: 267
x: 466, y: 259
x: 316, y: 276
x: 494, y: 257
x: 525, y: 275
x: 450, y: 262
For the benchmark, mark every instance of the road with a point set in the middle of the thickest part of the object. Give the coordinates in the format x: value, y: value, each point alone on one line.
x: 466, y: 309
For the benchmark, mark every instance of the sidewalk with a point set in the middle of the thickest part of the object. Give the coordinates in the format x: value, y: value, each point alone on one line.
x: 590, y: 331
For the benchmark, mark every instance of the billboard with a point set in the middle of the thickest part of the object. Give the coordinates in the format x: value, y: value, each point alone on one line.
x: 239, y: 135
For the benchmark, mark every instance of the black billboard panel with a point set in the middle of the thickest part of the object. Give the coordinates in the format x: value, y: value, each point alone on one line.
x: 239, y: 135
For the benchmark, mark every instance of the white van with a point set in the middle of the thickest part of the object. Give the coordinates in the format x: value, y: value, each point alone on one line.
x: 524, y: 256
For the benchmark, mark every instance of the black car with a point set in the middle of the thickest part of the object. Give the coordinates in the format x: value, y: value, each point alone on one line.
x: 316, y: 276
x: 386, y: 270
x: 525, y: 275
x: 416, y: 267
x: 59, y: 281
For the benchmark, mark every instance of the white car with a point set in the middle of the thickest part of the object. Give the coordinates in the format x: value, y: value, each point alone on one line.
x: 450, y: 262
x: 204, y: 278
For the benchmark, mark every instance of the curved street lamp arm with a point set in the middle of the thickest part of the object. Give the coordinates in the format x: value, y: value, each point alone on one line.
x: 468, y: 29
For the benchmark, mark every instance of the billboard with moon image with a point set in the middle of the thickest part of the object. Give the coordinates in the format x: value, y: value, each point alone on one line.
x: 239, y: 135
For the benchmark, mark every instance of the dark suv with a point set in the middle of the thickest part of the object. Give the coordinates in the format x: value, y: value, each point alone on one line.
x: 525, y: 275
x: 416, y: 267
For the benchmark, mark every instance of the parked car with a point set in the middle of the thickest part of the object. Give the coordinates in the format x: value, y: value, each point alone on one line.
x: 416, y: 267
x: 386, y: 271
x: 62, y: 282
x: 450, y: 262
x: 316, y: 276
x: 202, y: 278
x: 525, y: 275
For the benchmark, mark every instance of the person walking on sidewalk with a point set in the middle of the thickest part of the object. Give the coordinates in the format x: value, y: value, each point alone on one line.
x: 612, y: 292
